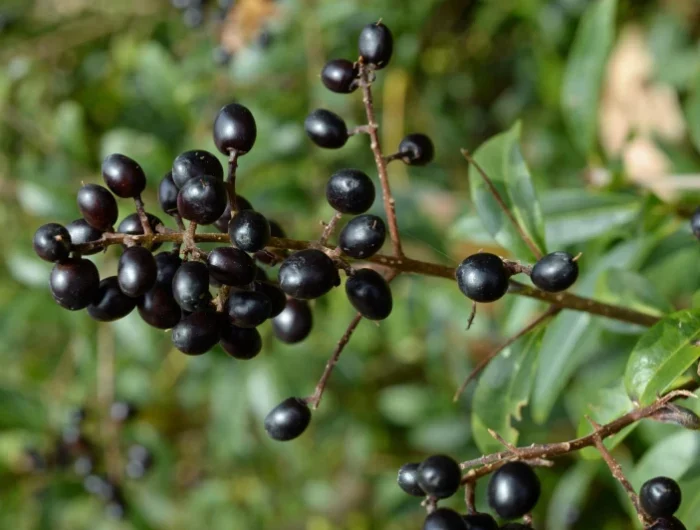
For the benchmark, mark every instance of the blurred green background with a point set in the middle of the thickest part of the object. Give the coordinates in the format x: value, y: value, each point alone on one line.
x: 80, y: 79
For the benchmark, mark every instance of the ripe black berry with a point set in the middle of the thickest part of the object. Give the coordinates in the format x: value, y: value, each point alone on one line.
x: 326, y: 129
x: 248, y: 309
x: 123, y: 176
x: 196, y: 334
x: 234, y: 129
x: 555, y: 272
x: 288, y: 420
x: 480, y: 521
x: 110, y: 303
x: 131, y: 225
x: 340, y: 75
x: 222, y: 222
x: 159, y: 309
x: 167, y: 264
x: 192, y: 164
x: 417, y: 150
x: 482, y: 277
x: 370, y: 294
x: 98, y: 206
x: 695, y: 223
x: 444, y: 519
x: 308, y: 274
x: 240, y: 343
x: 231, y: 266
x: 52, y: 242
x: 74, y: 283
x: 439, y: 476
x: 660, y: 496
x: 167, y: 194
x: 294, y: 323
x: 363, y: 236
x: 513, y: 490
x: 202, y: 200
x: 670, y: 523
x: 137, y: 271
x: 350, y: 191
x: 278, y: 300
x: 408, y: 480
x: 81, y: 232
x: 376, y: 44
x: 249, y: 230
x: 191, y: 286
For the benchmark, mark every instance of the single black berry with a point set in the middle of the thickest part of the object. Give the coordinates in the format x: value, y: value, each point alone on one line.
x: 340, y: 75
x: 670, y: 523
x: 326, y: 129
x: 222, y: 222
x: 81, y: 232
x: 110, y: 303
x: 52, y: 242
x: 350, y: 191
x: 482, y: 277
x: 417, y: 150
x: 370, y: 294
x: 191, y: 286
x: 444, y: 519
x: 193, y: 164
x: 363, y: 236
x: 202, y: 199
x: 231, y: 266
x: 123, y: 176
x: 695, y: 223
x: 288, y: 420
x: 137, y: 271
x: 167, y: 194
x: 234, y: 129
x: 167, y: 264
x: 660, y: 496
x: 408, y: 480
x: 240, y: 343
x: 131, y: 225
x: 249, y: 230
x: 159, y: 309
x: 278, y: 299
x: 98, y: 206
x: 555, y: 272
x: 439, y: 476
x: 308, y: 274
x: 376, y: 44
x: 248, y: 309
x: 197, y: 333
x: 294, y: 323
x: 74, y: 283
x: 480, y: 521
x: 513, y: 490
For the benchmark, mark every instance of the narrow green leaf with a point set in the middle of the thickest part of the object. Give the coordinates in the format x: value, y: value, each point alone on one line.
x: 584, y: 72
x: 624, y: 287
x: 692, y: 112
x: 672, y: 457
x: 662, y: 355
x: 570, y: 495
x: 21, y: 411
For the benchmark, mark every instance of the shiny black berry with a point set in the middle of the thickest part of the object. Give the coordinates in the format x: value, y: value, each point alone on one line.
x: 439, y: 476
x: 159, y: 309
x: 444, y: 519
x: 123, y: 176
x: 240, y: 343
x: 326, y: 129
x: 660, y: 496
x: 234, y: 129
x: 110, y: 303
x: 222, y: 222
x: 98, y: 206
x: 417, y: 150
x: 513, y: 490
x: 308, y: 274
x: 376, y: 44
x: 81, y: 232
x: 363, y: 236
x: 193, y: 164
x: 197, y: 333
x: 555, y: 272
x: 137, y: 271
x: 480, y: 521
x: 167, y: 264
x: 350, y: 191
x: 482, y: 277
x: 288, y: 420
x: 294, y: 323
x: 167, y: 194
x: 695, y: 223
x: 408, y: 480
x: 370, y: 294
x: 131, y: 225
x: 249, y: 230
x: 340, y: 75
x: 191, y: 286
x: 248, y: 309
x: 670, y: 523
x: 278, y: 300
x: 202, y: 199
x: 52, y: 242
x: 231, y: 266
x: 74, y: 283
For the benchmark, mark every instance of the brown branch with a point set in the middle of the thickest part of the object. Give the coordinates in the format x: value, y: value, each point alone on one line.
x: 470, y: 496
x: 140, y: 209
x: 329, y: 228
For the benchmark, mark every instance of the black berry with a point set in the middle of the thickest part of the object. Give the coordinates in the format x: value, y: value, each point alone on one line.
x: 110, y: 303
x: 370, y: 294
x: 222, y: 222
x: 417, y: 150
x: 240, y: 343
x: 98, y: 206
x: 167, y: 264
x: 123, y: 176
x: 137, y: 271
x: 408, y: 480
x: 660, y: 496
x: 52, y: 242
x: 202, y: 199
x: 81, y: 232
x: 513, y: 490
x: 340, y: 75
x: 234, y: 129
x: 670, y: 523
x: 231, y: 266
x: 249, y: 230
x: 350, y: 191
x: 376, y: 44
x: 196, y: 334
x: 363, y: 236
x: 326, y: 129
x: 193, y: 164
x: 167, y: 194
x: 131, y: 225
x: 278, y: 300
x: 308, y: 274
x: 555, y: 272
x: 159, y: 309
x: 74, y: 283
x: 294, y: 323
x: 482, y: 277
x: 695, y: 223
x: 439, y: 476
x: 248, y: 309
x: 191, y: 286
x: 288, y: 420
x: 480, y: 521
x: 444, y: 519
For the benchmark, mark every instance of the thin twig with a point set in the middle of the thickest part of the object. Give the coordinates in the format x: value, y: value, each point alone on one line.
x: 470, y: 496
x: 472, y: 316
x: 330, y: 228
x: 141, y: 210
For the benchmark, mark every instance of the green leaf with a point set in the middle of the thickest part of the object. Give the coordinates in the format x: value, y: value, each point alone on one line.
x: 584, y: 72
x: 662, y: 355
x: 21, y: 411
x: 692, y: 112
x: 634, y: 291
x: 502, y: 160
x: 671, y: 457
x: 570, y: 495
x: 502, y: 391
